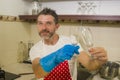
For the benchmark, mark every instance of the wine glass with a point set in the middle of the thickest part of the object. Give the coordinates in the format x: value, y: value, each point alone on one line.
x: 87, y: 37
x: 84, y: 34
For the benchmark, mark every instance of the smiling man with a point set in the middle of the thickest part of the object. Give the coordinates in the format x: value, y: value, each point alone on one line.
x: 54, y: 57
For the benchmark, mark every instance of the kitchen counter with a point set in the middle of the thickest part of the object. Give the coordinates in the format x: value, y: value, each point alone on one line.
x: 20, y: 68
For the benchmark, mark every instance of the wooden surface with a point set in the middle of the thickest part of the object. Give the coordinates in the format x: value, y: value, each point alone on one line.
x: 32, y: 18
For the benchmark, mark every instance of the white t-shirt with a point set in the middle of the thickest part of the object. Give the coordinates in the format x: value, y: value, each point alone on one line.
x: 41, y: 50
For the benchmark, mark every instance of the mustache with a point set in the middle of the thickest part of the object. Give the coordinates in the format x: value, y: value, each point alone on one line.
x: 44, y: 31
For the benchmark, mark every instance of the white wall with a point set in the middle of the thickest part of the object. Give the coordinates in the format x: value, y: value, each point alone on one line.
x: 18, y: 7
x: 107, y: 7
x: 13, y: 7
x: 110, y: 7
x: 11, y: 33
x: 109, y: 38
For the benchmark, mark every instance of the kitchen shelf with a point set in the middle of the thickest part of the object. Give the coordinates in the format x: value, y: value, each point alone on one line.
x: 63, y: 0
x: 75, y: 18
x: 28, y: 18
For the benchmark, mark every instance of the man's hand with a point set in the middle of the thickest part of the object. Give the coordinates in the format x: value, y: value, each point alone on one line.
x: 53, y: 59
x: 99, y: 54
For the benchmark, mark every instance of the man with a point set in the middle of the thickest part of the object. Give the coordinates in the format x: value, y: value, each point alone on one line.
x: 54, y: 50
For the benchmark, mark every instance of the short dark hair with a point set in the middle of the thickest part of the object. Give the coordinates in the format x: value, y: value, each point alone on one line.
x: 48, y: 11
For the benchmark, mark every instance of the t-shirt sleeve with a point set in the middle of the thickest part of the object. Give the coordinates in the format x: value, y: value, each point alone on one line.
x: 33, y: 54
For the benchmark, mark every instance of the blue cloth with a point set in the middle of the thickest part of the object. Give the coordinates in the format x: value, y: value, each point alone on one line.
x: 65, y: 53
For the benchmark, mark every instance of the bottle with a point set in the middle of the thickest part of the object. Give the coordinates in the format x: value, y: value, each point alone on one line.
x: 35, y: 7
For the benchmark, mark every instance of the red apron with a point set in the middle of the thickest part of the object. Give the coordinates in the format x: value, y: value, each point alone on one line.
x: 60, y: 72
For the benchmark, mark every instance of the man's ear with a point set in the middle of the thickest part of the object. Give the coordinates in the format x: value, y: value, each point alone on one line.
x: 57, y: 26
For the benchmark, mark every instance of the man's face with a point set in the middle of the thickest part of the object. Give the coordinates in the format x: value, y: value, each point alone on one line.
x: 46, y: 26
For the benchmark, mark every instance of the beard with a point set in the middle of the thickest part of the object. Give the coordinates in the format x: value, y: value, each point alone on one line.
x: 45, y: 34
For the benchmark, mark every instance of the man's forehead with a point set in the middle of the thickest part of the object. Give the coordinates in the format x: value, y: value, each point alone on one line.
x: 45, y: 18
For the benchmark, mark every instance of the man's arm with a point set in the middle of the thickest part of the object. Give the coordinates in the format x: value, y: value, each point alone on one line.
x: 99, y: 58
x: 37, y: 69
x: 43, y: 66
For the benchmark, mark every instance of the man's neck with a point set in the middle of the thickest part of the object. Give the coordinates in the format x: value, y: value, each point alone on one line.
x: 52, y: 41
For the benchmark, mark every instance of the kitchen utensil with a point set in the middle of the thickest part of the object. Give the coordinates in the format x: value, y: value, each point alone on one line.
x: 109, y: 71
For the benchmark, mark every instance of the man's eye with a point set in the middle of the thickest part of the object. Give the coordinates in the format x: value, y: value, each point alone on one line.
x: 39, y: 23
x: 49, y: 23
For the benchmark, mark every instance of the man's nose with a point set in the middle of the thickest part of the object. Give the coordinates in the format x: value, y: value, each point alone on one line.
x: 44, y: 26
